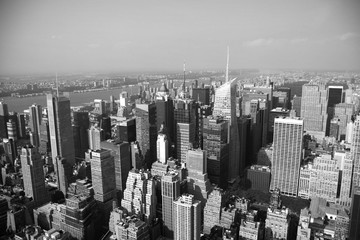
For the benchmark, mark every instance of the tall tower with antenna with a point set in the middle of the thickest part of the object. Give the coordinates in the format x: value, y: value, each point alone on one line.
x: 184, y: 78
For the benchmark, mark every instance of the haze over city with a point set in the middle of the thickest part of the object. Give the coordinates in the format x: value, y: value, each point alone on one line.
x: 66, y: 36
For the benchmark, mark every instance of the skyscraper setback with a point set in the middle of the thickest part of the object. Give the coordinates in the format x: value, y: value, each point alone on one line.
x: 286, y: 156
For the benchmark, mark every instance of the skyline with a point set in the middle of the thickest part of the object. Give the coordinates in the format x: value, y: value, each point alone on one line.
x: 54, y: 36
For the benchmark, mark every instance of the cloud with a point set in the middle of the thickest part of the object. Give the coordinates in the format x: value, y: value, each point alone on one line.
x: 348, y: 35
x: 273, y: 41
x: 259, y: 42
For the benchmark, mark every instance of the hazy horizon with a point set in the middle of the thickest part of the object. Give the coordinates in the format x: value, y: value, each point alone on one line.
x: 153, y: 36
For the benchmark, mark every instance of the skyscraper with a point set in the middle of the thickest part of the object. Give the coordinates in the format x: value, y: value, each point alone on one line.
x: 335, y: 96
x: 35, y: 122
x: 198, y: 183
x: 95, y: 137
x: 4, y: 113
x: 225, y: 106
x: 354, y: 231
x: 61, y: 134
x: 33, y: 175
x: 215, y: 142
x: 170, y: 190
x: 286, y: 156
x: 102, y: 175
x: 80, y: 129
x: 185, y: 138
x: 187, y: 218
x: 162, y: 147
x: 355, y: 150
x: 314, y: 109
x: 146, y: 131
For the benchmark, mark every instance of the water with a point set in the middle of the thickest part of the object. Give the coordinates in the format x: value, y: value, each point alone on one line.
x: 76, y: 99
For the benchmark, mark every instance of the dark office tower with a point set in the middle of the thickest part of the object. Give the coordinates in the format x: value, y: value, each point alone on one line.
x: 286, y: 156
x: 81, y: 138
x: 215, y: 142
x: 146, y: 133
x: 343, y: 111
x: 61, y: 135
x: 137, y: 161
x: 122, y: 158
x: 33, y: 175
x: 11, y: 129
x: 355, y: 150
x: 225, y: 106
x: 203, y: 111
x: 102, y: 175
x: 63, y: 173
x: 354, y: 231
x: 170, y: 190
x: 105, y: 125
x: 10, y: 149
x: 198, y: 183
x: 314, y: 109
x: 284, y: 100
x: 243, y: 135
x: 35, y: 122
x: 201, y: 95
x: 296, y: 105
x: 126, y: 130
x: 185, y: 111
x: 112, y: 104
x: 4, y: 113
x: 165, y: 111
x: 334, y: 97
x: 21, y: 123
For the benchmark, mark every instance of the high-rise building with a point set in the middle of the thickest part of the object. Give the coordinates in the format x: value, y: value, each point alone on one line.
x: 35, y: 122
x: 286, y: 156
x: 345, y: 166
x: 215, y: 142
x: 170, y: 190
x: 12, y: 130
x: 122, y: 158
x: 4, y: 113
x: 296, y: 105
x: 212, y: 210
x: 185, y: 111
x: 95, y: 137
x: 123, y: 99
x: 201, y: 95
x: 61, y: 135
x: 225, y: 106
x: 343, y: 111
x: 80, y: 131
x: 187, y: 218
x: 162, y: 148
x: 165, y: 111
x: 198, y: 183
x: 185, y: 139
x: 314, y: 109
x: 355, y: 150
x: 335, y: 96
x: 21, y: 121
x: 33, y: 175
x: 63, y: 173
x: 102, y: 175
x: 99, y: 106
x: 146, y: 133
x: 354, y: 231
x: 126, y: 130
x: 140, y: 195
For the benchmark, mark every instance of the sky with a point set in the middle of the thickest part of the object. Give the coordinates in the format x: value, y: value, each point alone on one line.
x: 43, y: 36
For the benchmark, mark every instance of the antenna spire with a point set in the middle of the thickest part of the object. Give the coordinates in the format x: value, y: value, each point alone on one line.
x: 227, y: 66
x: 184, y: 78
x: 57, y: 85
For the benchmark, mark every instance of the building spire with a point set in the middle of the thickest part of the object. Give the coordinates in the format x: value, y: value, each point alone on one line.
x: 227, y: 66
x: 184, y: 78
x: 57, y: 85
